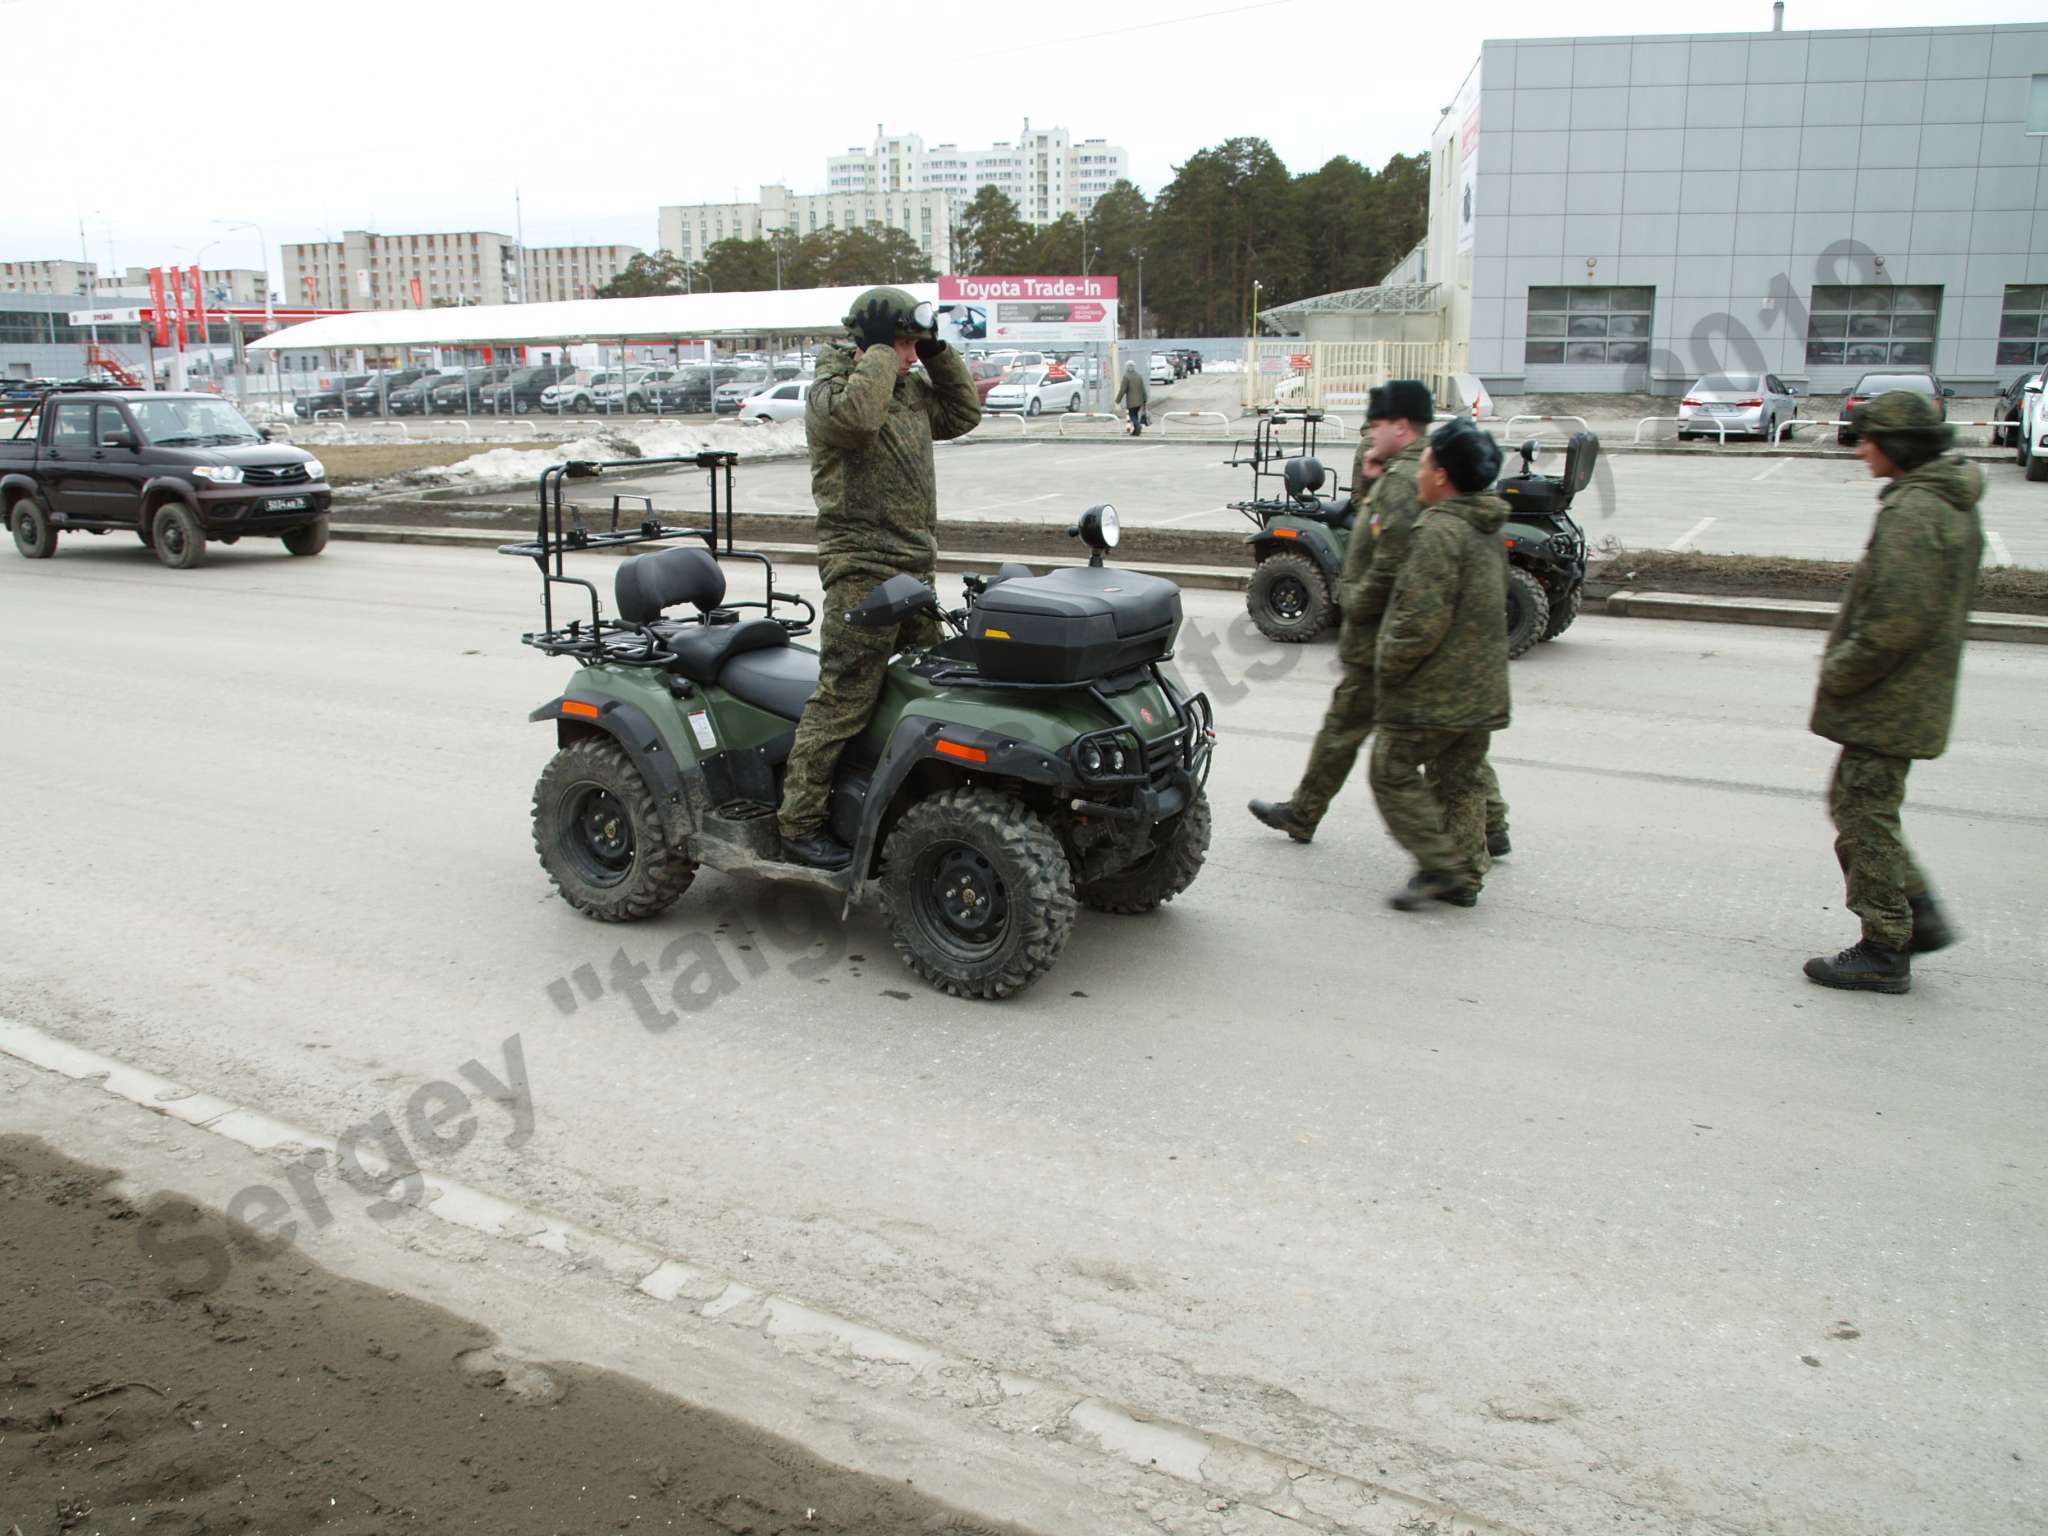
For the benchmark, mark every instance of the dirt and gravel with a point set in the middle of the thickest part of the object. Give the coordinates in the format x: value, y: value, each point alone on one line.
x: 366, y: 463
x: 2000, y: 589
x: 157, y: 1375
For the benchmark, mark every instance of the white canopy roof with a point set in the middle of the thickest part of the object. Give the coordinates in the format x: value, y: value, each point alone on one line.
x: 662, y: 317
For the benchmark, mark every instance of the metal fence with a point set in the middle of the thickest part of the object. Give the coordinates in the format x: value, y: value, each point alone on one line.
x: 1334, y: 374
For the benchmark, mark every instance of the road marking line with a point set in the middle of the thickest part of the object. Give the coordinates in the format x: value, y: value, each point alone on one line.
x: 1185, y: 517
x: 1771, y: 471
x: 1152, y: 1444
x: 1001, y: 506
x: 1678, y: 544
x: 1997, y: 543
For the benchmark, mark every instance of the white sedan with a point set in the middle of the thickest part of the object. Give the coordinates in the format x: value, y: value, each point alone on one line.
x: 1030, y: 390
x: 1162, y: 369
x: 779, y: 402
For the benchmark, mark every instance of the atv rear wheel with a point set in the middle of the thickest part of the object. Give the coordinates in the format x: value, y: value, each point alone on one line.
x: 1562, y: 614
x: 600, y: 836
x: 1528, y: 613
x: 1163, y: 873
x: 1289, y: 598
x: 978, y: 893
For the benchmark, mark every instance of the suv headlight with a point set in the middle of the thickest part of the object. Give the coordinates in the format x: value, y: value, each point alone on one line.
x: 219, y: 474
x: 316, y: 469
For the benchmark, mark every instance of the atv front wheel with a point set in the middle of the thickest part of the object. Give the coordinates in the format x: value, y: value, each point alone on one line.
x: 1163, y: 873
x: 600, y: 837
x: 1562, y: 614
x: 978, y: 893
x: 1528, y: 613
x: 1289, y: 598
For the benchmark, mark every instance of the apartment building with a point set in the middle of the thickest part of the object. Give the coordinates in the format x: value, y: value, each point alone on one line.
x: 1044, y: 171
x: 689, y: 230
x: 362, y: 270
x: 573, y: 271
x: 48, y: 277
x: 242, y: 286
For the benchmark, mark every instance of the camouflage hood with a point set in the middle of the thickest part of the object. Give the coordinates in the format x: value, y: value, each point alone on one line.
x: 1483, y: 510
x: 1952, y: 477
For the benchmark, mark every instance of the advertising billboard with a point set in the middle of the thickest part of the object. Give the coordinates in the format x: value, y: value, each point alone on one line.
x: 984, y: 312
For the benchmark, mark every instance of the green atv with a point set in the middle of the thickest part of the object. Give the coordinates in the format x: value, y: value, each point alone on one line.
x: 1301, y: 536
x: 1039, y: 758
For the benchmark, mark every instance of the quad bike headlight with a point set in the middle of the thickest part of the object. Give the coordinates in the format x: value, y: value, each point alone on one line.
x: 1110, y: 755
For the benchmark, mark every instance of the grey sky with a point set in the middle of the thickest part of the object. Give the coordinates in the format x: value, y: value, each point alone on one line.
x: 425, y: 115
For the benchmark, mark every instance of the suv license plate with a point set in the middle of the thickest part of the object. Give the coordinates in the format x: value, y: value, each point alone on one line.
x: 286, y: 504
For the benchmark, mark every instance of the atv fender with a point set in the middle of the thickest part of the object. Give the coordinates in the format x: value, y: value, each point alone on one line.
x: 1298, y: 533
x: 627, y: 724
x: 920, y: 739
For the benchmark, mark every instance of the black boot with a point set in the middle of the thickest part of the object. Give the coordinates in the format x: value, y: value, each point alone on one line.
x: 1432, y: 885
x: 1931, y: 930
x: 820, y: 850
x: 1864, y: 967
x: 1279, y: 815
x: 1497, y: 844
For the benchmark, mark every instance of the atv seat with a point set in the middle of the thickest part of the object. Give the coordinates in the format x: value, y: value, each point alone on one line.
x: 701, y: 649
x: 780, y: 680
x: 649, y: 585
x: 1303, y: 477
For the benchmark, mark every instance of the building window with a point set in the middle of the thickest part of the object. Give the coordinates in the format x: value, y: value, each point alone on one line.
x: 2023, y: 328
x: 1872, y: 325
x: 1595, y: 327
x: 2037, y: 106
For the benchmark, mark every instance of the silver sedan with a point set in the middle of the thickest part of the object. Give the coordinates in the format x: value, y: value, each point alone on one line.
x: 1744, y: 404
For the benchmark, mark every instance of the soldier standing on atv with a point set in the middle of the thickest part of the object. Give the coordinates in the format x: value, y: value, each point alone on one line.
x: 1398, y: 417
x: 871, y: 423
x: 1888, y: 680
x: 1443, y: 670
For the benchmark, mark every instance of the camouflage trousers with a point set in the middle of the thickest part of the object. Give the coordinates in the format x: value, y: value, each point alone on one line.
x: 852, y: 663
x: 1431, y: 789
x: 1864, y: 800
x: 1346, y: 724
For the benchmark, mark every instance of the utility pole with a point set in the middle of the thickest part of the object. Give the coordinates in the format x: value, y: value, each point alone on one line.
x: 92, y: 297
x: 519, y: 231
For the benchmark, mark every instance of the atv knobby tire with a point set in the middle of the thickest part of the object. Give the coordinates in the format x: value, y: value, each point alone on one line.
x: 1528, y: 613
x: 1289, y: 598
x: 600, y: 836
x: 1163, y: 873
x: 1562, y: 614
x: 978, y: 893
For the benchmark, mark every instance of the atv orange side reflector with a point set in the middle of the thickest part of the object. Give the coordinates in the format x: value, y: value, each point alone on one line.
x: 966, y: 754
x: 579, y: 708
x: 995, y: 634
x: 1286, y: 533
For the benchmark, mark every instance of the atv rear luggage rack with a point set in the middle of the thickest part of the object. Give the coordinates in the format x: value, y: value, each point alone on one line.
x: 560, y: 529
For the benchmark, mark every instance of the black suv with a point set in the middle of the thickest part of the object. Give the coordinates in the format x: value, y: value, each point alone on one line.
x: 174, y: 469
x: 369, y: 399
x: 1871, y: 385
x: 522, y: 387
x: 330, y: 398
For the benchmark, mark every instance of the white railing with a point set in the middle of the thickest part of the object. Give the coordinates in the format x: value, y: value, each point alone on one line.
x: 1697, y: 422
x: 1509, y: 429
x: 988, y: 417
x: 1067, y: 416
x: 1218, y: 417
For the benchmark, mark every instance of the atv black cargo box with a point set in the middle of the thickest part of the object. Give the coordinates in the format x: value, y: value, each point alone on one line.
x: 1073, y: 625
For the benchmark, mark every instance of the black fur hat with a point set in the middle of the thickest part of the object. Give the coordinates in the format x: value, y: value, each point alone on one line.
x: 1401, y: 400
x: 1469, y: 456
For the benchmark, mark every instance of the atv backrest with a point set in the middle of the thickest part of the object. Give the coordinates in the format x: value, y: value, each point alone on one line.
x: 1303, y: 477
x: 649, y: 585
x: 1580, y: 455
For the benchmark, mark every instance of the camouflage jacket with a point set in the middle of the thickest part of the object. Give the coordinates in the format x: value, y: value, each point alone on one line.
x: 1888, y: 678
x: 1379, y: 543
x: 872, y: 475
x: 1443, y: 646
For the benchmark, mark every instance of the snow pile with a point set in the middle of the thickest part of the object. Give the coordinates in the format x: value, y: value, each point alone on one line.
x: 637, y: 440
x: 1223, y: 365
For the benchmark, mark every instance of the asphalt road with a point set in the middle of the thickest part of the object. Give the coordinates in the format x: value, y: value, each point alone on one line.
x: 1738, y: 504
x: 1581, y: 1209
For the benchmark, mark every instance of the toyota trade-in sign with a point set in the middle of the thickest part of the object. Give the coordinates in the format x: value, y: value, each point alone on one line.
x: 991, y: 311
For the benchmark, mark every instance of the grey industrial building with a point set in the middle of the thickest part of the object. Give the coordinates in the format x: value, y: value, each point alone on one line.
x: 1628, y: 213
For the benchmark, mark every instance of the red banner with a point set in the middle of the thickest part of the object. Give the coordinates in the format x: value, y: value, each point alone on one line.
x: 419, y: 299
x: 157, y: 303
x: 198, y: 301
x: 178, y: 304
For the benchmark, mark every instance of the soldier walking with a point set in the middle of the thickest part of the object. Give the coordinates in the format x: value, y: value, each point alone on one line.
x: 1888, y: 680
x: 1443, y: 670
x: 1132, y: 394
x: 871, y: 423
x: 1398, y: 417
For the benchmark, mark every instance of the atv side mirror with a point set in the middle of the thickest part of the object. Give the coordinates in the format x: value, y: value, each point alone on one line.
x: 893, y: 602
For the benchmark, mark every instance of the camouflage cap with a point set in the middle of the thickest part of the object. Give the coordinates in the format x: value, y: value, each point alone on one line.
x: 1907, y: 417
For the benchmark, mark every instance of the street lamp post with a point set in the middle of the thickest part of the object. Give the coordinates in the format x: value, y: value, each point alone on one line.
x: 269, y: 300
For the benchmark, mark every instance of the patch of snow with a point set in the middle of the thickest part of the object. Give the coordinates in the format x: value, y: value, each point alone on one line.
x: 636, y: 440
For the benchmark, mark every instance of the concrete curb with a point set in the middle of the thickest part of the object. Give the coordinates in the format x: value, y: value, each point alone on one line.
x: 1793, y: 613
x: 1309, y: 1497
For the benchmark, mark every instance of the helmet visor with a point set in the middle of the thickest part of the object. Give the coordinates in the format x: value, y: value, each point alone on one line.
x: 925, y: 318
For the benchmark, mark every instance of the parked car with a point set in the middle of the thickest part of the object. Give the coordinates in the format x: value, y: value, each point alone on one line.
x: 1032, y: 390
x: 575, y: 392
x: 1748, y: 404
x: 523, y: 388
x: 2032, y: 449
x: 687, y: 392
x: 781, y: 401
x: 636, y: 390
x: 1871, y: 385
x: 460, y: 392
x: 1193, y: 360
x: 986, y: 377
x: 415, y: 399
x: 369, y: 399
x: 732, y: 391
x: 174, y: 469
x: 2011, y: 405
x: 329, y: 397
x: 1012, y: 358
x: 1160, y: 369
